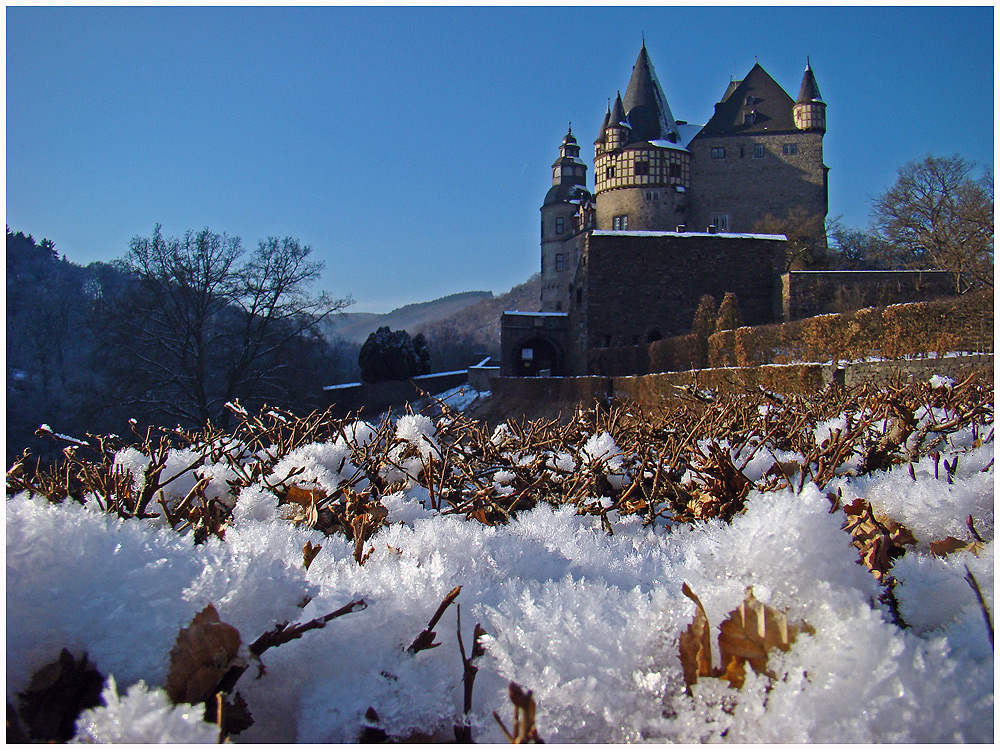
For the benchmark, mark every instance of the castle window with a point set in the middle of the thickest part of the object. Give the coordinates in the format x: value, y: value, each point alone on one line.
x: 741, y: 151
x: 675, y: 170
x: 718, y: 152
x: 579, y: 296
x: 721, y: 222
x: 559, y: 225
x: 560, y: 261
x: 652, y: 195
x: 789, y: 149
x: 620, y: 222
x: 611, y: 173
x: 641, y: 167
x: 758, y: 151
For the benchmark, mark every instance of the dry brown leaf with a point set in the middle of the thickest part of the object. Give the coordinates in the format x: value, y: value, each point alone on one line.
x: 749, y: 632
x: 950, y: 544
x: 878, y: 539
x: 746, y: 635
x: 480, y: 515
x: 696, y: 644
x: 302, y: 496
x: 203, y: 653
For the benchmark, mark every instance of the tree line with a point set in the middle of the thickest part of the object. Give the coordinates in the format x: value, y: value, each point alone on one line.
x: 168, y: 334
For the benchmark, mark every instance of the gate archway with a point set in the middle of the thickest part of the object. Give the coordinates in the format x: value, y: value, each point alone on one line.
x: 536, y: 356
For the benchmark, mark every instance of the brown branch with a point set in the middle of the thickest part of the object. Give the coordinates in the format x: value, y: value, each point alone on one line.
x: 426, y: 638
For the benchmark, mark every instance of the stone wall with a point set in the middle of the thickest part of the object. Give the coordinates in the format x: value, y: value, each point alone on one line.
x: 746, y: 189
x: 808, y: 293
x: 641, y: 286
x: 520, y: 395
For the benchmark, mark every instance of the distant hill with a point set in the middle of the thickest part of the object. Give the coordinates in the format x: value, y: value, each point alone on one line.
x: 355, y: 327
x: 481, y: 321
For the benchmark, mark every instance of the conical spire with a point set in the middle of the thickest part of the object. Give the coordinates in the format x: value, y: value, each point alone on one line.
x: 809, y: 91
x: 646, y: 106
x: 617, y: 116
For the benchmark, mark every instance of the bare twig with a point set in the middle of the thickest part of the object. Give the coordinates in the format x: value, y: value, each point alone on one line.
x: 426, y: 638
x: 971, y: 580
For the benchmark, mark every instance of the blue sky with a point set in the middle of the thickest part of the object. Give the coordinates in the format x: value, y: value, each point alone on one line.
x: 410, y: 147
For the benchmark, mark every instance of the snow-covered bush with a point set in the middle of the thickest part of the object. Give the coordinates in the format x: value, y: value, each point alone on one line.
x: 304, y: 569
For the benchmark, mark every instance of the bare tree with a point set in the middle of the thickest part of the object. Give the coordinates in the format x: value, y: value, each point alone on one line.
x: 860, y: 249
x: 941, y: 216
x: 203, y: 325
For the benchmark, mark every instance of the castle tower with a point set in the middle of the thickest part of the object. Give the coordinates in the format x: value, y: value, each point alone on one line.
x: 759, y: 159
x: 641, y: 165
x: 567, y: 213
x: 810, y: 109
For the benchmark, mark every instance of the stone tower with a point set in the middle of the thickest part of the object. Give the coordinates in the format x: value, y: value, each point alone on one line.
x: 567, y: 212
x: 760, y: 155
x: 641, y: 165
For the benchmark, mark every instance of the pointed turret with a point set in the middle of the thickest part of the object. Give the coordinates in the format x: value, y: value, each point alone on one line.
x: 645, y: 105
x: 616, y: 133
x: 810, y: 109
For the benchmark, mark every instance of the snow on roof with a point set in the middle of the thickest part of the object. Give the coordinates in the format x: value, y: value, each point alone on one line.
x: 439, y: 374
x: 537, y: 314
x: 659, y: 143
x: 728, y: 235
x: 340, y: 386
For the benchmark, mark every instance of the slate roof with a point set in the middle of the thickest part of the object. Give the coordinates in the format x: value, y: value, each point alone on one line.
x: 758, y: 95
x: 618, y: 113
x: 645, y: 105
x: 566, y: 193
x: 809, y: 91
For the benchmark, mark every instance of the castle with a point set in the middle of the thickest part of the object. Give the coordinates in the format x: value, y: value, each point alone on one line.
x: 674, y: 214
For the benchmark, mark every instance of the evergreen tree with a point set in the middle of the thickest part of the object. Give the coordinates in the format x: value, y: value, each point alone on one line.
x: 391, y: 355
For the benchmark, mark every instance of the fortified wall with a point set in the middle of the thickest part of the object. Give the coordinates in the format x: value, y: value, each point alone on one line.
x: 808, y: 293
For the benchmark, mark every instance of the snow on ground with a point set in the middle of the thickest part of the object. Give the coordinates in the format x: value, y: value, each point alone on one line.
x: 589, y: 622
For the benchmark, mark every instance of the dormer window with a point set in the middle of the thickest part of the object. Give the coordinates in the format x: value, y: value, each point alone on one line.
x: 750, y: 118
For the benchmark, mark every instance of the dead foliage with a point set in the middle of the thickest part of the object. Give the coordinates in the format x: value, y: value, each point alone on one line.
x: 47, y: 710
x: 684, y: 463
x: 745, y: 636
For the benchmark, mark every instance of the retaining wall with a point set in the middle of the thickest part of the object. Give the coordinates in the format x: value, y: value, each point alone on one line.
x: 662, y: 388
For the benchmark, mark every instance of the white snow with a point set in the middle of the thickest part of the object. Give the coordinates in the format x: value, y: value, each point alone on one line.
x: 588, y: 621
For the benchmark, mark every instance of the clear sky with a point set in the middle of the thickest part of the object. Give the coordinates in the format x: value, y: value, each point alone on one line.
x: 410, y: 147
